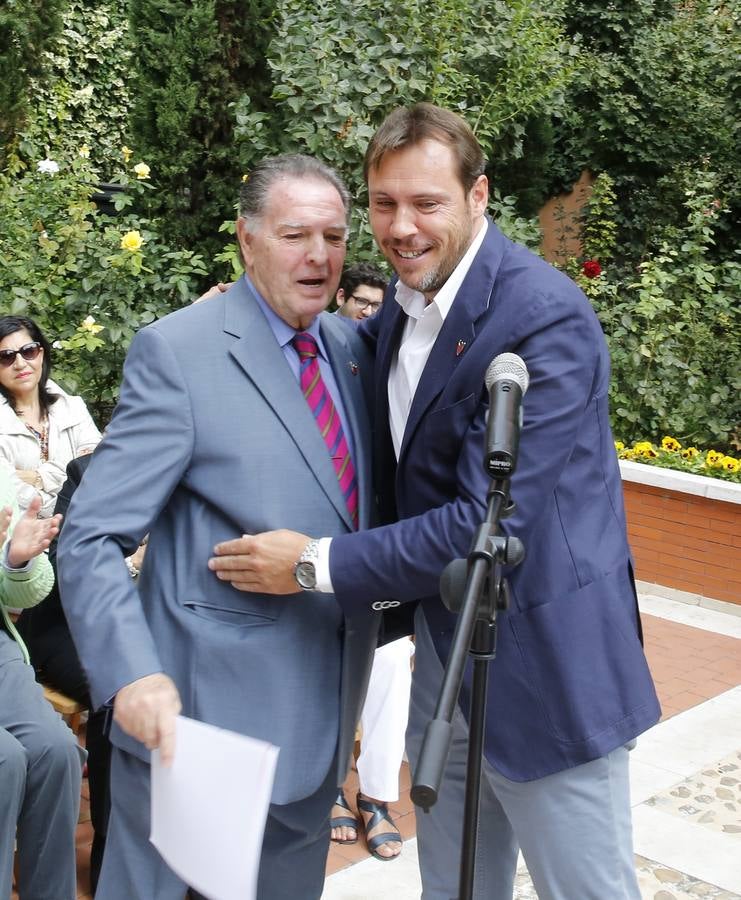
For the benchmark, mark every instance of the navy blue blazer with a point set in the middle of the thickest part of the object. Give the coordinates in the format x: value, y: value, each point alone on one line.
x: 570, y: 681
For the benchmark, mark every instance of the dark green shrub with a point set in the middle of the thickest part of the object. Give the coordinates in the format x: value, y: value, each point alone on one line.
x: 338, y: 68
x: 193, y: 58
x: 81, y: 97
x: 26, y: 28
x: 660, y: 90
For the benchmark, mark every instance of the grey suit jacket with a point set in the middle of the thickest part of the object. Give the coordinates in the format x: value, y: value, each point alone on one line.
x: 212, y: 438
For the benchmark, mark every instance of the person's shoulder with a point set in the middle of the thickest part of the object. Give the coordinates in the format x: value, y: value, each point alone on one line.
x: 76, y: 467
x: 64, y: 400
x: 341, y: 328
x: 531, y: 283
x: 7, y: 416
x: 345, y: 331
x: 197, y: 319
x: 68, y: 409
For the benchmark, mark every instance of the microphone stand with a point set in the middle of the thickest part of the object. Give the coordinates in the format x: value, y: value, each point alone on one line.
x: 475, y: 588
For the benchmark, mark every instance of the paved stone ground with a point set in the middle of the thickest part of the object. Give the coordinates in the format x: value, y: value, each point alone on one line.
x: 695, y: 656
x: 685, y: 775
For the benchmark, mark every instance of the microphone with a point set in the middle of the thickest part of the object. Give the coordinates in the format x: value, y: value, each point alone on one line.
x: 507, y: 381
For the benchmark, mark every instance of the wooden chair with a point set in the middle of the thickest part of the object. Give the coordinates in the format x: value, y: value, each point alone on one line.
x: 68, y: 708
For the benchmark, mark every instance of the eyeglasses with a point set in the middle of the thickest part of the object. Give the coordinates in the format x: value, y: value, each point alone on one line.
x: 364, y: 304
x: 27, y: 351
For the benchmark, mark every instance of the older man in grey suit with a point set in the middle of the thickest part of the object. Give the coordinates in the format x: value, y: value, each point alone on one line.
x: 242, y: 414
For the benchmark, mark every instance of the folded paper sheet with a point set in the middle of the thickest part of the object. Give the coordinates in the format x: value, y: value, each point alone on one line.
x: 210, y: 806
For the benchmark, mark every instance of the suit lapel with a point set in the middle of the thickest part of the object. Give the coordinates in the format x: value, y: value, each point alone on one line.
x: 458, y: 331
x: 260, y: 357
x: 389, y: 338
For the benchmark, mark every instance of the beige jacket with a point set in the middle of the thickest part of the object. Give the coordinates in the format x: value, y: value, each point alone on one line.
x: 71, y: 433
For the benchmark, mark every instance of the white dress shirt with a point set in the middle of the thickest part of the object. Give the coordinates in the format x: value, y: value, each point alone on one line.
x: 423, y: 325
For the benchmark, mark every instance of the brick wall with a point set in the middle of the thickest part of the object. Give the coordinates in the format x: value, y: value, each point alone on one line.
x: 685, y: 541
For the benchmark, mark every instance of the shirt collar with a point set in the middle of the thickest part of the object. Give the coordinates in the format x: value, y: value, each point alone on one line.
x: 413, y: 302
x: 284, y: 333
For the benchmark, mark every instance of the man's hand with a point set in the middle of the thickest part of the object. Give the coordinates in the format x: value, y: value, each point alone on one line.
x: 214, y: 291
x: 30, y: 476
x: 146, y: 709
x: 31, y: 535
x: 262, y: 563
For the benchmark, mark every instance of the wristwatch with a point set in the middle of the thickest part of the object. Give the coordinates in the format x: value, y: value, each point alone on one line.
x: 305, y: 570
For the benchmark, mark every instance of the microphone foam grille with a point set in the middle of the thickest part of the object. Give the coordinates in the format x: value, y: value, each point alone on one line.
x: 507, y: 365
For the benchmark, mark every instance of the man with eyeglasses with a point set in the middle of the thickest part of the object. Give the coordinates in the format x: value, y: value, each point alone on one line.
x: 361, y: 291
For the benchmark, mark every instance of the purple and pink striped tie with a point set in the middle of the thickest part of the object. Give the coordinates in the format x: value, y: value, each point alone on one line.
x: 321, y: 404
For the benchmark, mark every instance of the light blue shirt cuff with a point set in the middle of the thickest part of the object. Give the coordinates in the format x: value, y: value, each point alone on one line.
x: 21, y: 569
x: 323, y: 578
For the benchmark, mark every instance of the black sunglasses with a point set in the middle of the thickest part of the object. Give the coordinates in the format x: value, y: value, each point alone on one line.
x: 28, y: 352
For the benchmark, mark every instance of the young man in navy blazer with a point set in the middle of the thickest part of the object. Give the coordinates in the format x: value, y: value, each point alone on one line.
x: 570, y: 687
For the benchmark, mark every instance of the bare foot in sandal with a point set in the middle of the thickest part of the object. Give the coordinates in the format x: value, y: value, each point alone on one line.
x: 343, y: 823
x: 381, y: 835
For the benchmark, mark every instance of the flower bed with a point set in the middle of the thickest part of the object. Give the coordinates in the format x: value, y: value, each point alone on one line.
x: 684, y: 530
x: 670, y: 454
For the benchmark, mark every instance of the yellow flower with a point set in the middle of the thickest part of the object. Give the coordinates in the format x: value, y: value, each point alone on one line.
x: 619, y: 445
x: 126, y: 152
x: 644, y: 449
x: 142, y: 171
x: 713, y: 458
x: 245, y: 178
x: 132, y: 241
x: 89, y: 324
x: 628, y: 454
x: 670, y: 443
x: 84, y: 151
x: 730, y: 464
x: 690, y: 452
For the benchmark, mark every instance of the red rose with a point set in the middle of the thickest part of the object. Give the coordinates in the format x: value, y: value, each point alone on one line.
x: 591, y: 268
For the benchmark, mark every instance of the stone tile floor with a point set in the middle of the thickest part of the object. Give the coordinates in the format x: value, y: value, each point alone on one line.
x: 685, y: 774
x: 685, y: 779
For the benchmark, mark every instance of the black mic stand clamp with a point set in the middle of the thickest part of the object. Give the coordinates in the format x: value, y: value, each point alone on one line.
x: 477, y: 590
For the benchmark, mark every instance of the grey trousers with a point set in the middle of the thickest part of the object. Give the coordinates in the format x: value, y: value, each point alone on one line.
x: 573, y: 827
x: 294, y: 852
x: 40, y: 773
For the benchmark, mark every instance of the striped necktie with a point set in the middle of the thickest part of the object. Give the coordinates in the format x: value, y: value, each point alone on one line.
x: 321, y: 404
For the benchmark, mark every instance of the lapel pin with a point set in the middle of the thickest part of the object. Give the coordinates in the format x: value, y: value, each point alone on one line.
x: 354, y: 368
x: 460, y: 347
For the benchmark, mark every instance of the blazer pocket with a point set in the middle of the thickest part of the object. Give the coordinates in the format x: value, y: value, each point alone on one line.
x: 246, y: 615
x: 582, y: 657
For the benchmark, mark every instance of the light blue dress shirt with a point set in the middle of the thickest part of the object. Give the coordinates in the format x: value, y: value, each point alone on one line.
x: 284, y: 334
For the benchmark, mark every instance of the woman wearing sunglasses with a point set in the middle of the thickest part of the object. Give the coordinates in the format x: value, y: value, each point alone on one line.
x: 41, y: 427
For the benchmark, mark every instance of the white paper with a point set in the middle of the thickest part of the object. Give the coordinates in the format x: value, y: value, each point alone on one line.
x: 209, y: 808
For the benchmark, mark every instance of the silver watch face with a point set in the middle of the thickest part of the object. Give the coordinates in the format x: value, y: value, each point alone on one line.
x: 306, y: 575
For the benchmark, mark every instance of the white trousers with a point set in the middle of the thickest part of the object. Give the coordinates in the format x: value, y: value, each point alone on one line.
x: 384, y: 721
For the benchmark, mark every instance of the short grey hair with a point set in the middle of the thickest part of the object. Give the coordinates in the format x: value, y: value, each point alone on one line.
x: 254, y: 191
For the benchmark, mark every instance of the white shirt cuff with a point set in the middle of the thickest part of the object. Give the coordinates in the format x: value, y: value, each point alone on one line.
x: 323, y: 578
